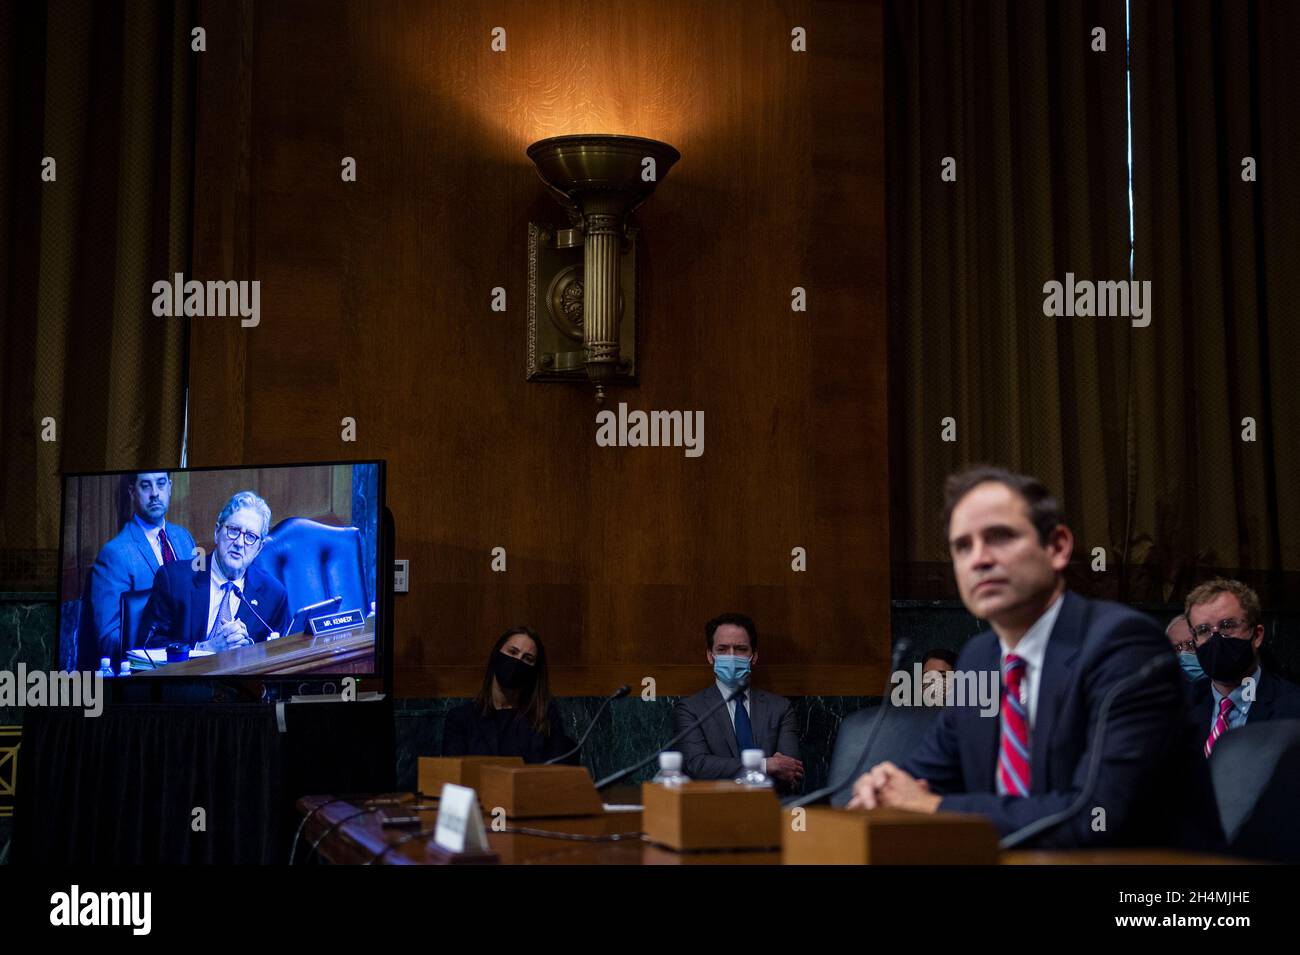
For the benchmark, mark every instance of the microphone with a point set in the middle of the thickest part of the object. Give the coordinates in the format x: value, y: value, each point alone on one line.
x: 1038, y: 826
x: 318, y: 605
x: 624, y: 773
x: 618, y: 694
x: 153, y: 628
x: 251, y: 609
x: 902, y: 647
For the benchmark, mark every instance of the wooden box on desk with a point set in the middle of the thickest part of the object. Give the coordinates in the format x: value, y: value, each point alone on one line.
x: 888, y: 837
x: 711, y: 815
x: 460, y: 770
x: 538, y: 790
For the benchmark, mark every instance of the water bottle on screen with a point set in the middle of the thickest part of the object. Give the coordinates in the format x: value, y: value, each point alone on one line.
x: 670, y: 770
x: 752, y: 772
x: 126, y: 668
x: 105, y: 667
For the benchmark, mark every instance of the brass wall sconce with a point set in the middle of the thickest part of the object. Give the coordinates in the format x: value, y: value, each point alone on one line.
x: 582, y: 280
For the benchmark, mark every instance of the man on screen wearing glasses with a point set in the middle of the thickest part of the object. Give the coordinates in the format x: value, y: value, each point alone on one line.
x: 1225, y: 628
x: 229, y: 603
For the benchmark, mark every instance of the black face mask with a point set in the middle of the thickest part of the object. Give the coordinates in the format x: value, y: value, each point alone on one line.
x: 513, y: 673
x: 1226, y: 659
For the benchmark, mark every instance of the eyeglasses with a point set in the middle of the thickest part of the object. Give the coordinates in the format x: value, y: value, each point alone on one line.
x: 233, y: 533
x: 1223, y: 626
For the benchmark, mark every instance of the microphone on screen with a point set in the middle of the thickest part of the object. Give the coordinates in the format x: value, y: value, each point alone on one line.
x: 253, y: 610
x: 902, y: 647
x: 1039, y: 826
x: 624, y: 773
x: 618, y: 694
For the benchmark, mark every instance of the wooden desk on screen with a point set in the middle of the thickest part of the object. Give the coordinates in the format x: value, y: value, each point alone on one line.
x: 359, y: 839
x: 289, y: 656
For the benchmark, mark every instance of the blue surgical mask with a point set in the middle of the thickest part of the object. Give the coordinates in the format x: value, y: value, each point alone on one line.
x: 731, y: 670
x: 1191, y: 666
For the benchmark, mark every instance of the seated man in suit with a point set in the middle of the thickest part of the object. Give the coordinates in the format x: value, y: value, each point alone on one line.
x: 1224, y: 619
x: 230, y: 602
x: 755, y: 720
x: 1059, y: 655
x: 129, y: 562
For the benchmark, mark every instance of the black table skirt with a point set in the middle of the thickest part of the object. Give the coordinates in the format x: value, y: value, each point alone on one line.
x: 123, y: 787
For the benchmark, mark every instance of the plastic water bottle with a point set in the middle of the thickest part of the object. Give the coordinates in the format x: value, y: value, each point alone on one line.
x: 126, y: 668
x: 670, y: 770
x: 752, y: 773
x: 105, y: 668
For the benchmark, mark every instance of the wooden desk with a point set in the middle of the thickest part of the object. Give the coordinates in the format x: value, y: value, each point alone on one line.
x: 352, y: 652
x: 360, y: 839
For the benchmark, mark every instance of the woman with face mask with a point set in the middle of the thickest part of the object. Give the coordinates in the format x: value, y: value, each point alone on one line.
x: 513, y: 713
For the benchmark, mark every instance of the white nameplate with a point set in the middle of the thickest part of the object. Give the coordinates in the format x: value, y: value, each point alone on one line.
x: 460, y: 824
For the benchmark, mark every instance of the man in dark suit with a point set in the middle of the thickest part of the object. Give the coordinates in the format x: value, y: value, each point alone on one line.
x: 1059, y: 655
x: 129, y: 562
x: 222, y: 606
x: 1224, y: 616
x: 755, y: 720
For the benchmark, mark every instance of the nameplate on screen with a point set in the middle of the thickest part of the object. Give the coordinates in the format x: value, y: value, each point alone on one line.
x: 337, y: 622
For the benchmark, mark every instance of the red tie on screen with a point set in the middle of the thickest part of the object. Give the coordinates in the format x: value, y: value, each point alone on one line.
x: 1220, y: 725
x: 1013, y: 758
x: 169, y: 556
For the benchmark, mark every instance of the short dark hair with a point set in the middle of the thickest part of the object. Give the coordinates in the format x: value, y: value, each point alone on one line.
x: 735, y: 619
x: 1044, y: 511
x: 940, y: 653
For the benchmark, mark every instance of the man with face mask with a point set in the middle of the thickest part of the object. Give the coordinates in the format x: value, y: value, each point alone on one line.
x: 1180, y: 638
x: 1225, y: 628
x: 938, y: 667
x: 754, y: 720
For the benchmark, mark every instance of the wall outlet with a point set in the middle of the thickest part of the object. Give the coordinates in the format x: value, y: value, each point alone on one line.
x: 401, y: 578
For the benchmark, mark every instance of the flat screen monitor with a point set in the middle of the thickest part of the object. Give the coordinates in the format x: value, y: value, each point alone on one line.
x: 259, y: 572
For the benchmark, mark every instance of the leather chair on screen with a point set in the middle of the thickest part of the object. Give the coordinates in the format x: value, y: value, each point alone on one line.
x: 133, y: 633
x: 1255, y: 770
x: 315, y: 562
x: 901, y: 730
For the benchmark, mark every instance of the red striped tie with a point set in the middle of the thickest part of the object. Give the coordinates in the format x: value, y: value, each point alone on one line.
x: 1220, y: 725
x: 1013, y: 756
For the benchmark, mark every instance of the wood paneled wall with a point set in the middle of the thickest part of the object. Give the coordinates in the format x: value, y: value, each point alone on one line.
x: 375, y: 303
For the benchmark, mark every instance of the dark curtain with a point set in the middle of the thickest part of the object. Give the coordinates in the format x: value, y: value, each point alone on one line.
x: 1213, y: 84
x: 1133, y: 427
x: 105, y: 89
x: 122, y: 788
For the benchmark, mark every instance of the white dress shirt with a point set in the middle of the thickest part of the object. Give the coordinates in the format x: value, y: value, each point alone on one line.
x: 215, y: 581
x: 726, y: 691
x: 151, y: 535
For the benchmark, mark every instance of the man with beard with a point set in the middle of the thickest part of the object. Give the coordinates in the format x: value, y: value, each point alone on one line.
x: 129, y: 562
